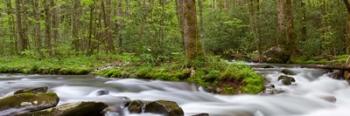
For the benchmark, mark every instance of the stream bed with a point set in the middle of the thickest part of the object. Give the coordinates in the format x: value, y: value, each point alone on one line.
x: 314, y: 93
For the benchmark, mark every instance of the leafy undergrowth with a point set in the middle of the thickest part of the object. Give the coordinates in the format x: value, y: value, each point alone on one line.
x: 216, y: 76
x: 331, y: 60
x: 66, y: 66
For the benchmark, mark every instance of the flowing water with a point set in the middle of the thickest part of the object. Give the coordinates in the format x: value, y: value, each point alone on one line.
x: 314, y: 93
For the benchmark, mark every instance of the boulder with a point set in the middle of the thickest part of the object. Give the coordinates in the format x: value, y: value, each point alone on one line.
x: 288, y: 72
x: 286, y: 80
x: 167, y: 108
x: 27, y: 102
x: 73, y: 109
x: 32, y: 90
x: 135, y: 106
x: 276, y: 55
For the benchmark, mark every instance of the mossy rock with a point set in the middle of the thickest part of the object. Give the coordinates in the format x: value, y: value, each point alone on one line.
x: 167, y: 108
x: 27, y: 102
x: 73, y: 109
x: 135, y: 106
x: 32, y: 90
x: 286, y: 80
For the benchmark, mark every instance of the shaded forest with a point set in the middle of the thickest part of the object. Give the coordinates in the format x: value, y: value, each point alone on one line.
x: 233, y: 28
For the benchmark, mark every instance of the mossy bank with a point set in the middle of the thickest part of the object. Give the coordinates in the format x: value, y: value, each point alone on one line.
x: 215, y: 75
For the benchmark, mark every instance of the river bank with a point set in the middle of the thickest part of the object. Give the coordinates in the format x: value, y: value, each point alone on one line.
x: 216, y: 76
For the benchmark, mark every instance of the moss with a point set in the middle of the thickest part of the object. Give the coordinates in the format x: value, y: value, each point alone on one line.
x: 15, y: 101
x: 167, y: 108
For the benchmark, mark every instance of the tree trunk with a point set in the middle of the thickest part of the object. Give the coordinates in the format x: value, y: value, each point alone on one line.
x: 37, y: 37
x: 12, y: 26
x: 254, y: 26
x: 91, y: 29
x: 75, y: 25
x: 48, y: 27
x: 303, y: 21
x: 21, y: 35
x: 347, y: 34
x: 285, y: 26
x: 193, y: 49
x: 106, y: 10
x: 180, y: 16
x: 54, y: 18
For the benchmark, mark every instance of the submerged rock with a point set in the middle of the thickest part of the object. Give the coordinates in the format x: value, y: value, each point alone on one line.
x: 329, y: 98
x: 32, y: 90
x: 201, y: 114
x: 27, y: 102
x: 288, y: 72
x: 167, y: 108
x: 73, y: 109
x: 286, y: 80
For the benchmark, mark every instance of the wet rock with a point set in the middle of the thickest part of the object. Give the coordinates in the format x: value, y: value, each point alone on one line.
x: 288, y: 72
x: 268, y: 66
x: 32, y: 90
x: 201, y: 114
x: 276, y: 55
x: 27, y: 102
x: 167, y: 108
x: 286, y: 80
x: 270, y: 86
x: 102, y: 92
x: 135, y: 106
x: 329, y: 98
x: 73, y: 109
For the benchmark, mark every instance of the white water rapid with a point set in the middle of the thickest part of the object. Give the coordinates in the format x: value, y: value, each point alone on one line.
x: 314, y: 93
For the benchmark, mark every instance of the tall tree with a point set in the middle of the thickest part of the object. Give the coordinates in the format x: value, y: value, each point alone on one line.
x: 193, y: 49
x: 180, y: 16
x: 285, y: 26
x: 347, y: 36
x: 36, y: 36
x: 76, y: 25
x: 106, y: 13
x: 21, y: 34
x: 48, y: 28
x: 254, y: 7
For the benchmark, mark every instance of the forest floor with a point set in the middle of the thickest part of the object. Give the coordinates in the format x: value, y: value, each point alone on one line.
x: 217, y: 76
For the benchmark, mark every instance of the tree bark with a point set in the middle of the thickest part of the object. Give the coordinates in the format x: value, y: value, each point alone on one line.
x: 21, y: 35
x: 303, y: 21
x: 180, y: 16
x: 347, y: 34
x: 106, y: 10
x: 193, y: 49
x: 12, y: 26
x: 48, y: 27
x: 75, y: 25
x: 285, y: 26
x: 37, y: 37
